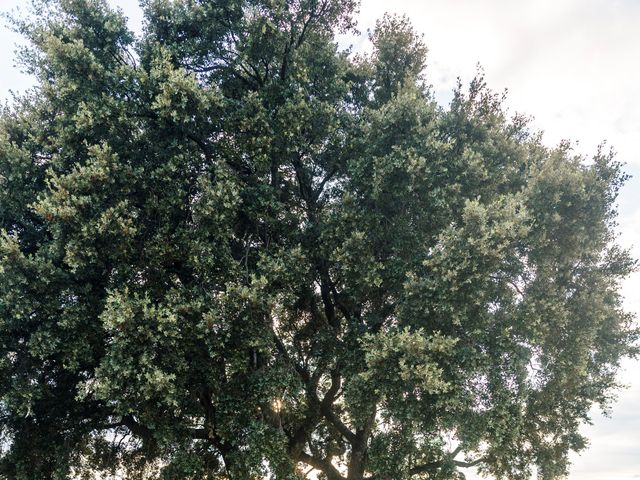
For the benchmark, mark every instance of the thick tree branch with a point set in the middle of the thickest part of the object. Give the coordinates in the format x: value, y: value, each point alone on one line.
x: 435, y: 466
x: 322, y: 464
x: 329, y: 414
x: 140, y: 431
x: 470, y: 464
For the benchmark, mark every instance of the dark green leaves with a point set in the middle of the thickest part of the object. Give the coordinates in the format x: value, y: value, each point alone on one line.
x: 229, y: 250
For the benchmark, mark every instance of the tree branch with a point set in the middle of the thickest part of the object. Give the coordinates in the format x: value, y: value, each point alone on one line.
x: 322, y: 464
x: 329, y: 414
x: 435, y: 466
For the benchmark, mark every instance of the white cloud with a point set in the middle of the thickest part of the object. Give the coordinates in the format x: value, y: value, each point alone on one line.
x: 573, y: 64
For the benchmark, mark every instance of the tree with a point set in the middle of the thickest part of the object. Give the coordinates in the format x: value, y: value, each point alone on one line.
x: 232, y: 250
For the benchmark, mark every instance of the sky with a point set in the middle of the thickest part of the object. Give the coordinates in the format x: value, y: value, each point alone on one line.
x: 574, y: 66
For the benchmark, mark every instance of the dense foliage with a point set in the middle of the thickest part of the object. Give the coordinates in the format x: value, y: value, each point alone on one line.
x: 231, y: 250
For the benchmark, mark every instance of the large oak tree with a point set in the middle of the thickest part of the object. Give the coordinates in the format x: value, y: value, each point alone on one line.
x: 231, y: 250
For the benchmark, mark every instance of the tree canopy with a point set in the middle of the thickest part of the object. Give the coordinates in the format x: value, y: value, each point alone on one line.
x: 230, y: 249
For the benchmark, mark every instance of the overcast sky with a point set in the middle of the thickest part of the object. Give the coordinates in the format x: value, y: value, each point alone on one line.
x: 574, y: 65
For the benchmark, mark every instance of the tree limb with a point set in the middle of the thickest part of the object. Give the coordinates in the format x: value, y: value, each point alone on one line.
x: 321, y: 464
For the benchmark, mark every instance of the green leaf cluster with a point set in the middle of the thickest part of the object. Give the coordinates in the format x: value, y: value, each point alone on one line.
x: 231, y: 250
